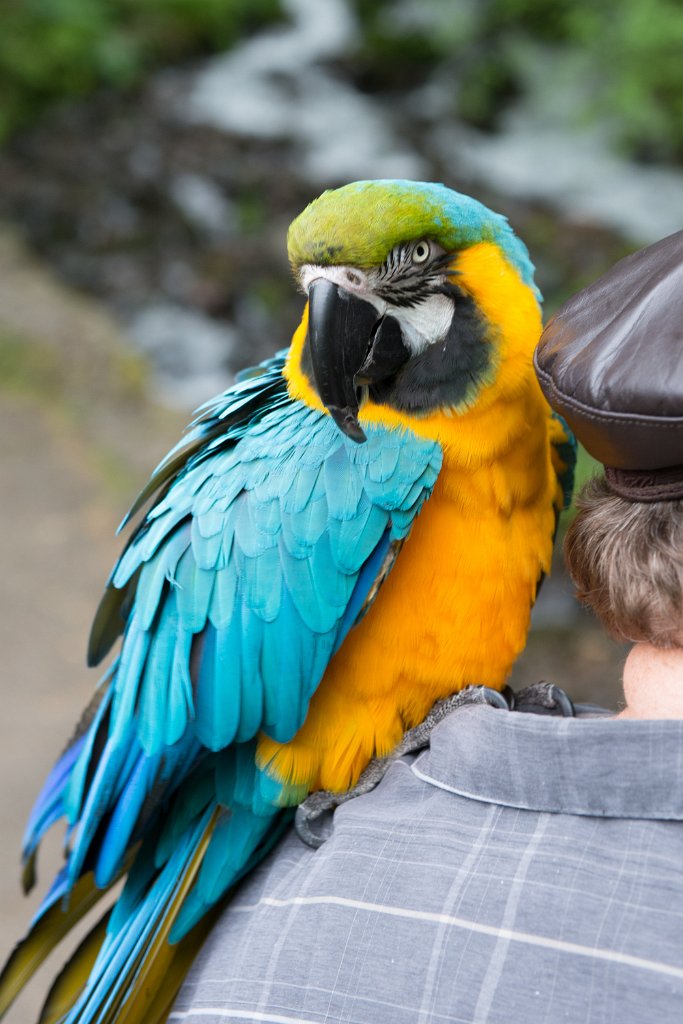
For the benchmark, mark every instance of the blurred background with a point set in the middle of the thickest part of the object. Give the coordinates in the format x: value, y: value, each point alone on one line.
x: 152, y: 154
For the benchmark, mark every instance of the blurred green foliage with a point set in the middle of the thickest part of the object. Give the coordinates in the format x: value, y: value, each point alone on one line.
x: 625, y: 60
x: 34, y: 367
x: 586, y: 468
x: 55, y: 49
x: 638, y: 55
x: 622, y: 63
x: 27, y: 368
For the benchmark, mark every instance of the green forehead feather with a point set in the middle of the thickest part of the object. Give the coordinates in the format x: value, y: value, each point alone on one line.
x: 360, y: 223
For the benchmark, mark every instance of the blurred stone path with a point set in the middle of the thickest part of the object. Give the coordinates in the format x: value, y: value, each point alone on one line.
x: 77, y: 438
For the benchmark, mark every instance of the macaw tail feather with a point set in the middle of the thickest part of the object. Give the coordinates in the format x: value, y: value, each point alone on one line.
x: 131, y: 966
x: 164, y: 979
x: 134, y: 960
x: 47, y: 930
x: 71, y: 980
x: 172, y: 967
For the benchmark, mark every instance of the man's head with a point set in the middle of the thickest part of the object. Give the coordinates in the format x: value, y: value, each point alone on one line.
x: 626, y: 560
x: 611, y: 362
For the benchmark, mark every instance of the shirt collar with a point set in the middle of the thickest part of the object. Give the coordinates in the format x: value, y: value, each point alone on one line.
x: 595, y: 766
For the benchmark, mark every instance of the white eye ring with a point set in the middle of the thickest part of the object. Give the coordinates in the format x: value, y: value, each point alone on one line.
x: 421, y: 252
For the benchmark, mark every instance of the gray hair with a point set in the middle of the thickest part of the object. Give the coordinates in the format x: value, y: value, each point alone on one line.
x: 626, y: 559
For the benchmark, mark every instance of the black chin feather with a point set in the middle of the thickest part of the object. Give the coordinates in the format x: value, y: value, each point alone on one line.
x: 447, y: 374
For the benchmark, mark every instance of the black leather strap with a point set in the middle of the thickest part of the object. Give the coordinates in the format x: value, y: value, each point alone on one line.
x: 647, y: 484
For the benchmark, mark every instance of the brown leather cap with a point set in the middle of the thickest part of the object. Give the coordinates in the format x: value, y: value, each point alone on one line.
x: 611, y: 362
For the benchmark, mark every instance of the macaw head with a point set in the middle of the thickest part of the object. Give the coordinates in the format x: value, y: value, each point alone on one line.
x: 417, y: 297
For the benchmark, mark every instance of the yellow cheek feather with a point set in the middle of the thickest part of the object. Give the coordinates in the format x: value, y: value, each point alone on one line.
x: 455, y: 609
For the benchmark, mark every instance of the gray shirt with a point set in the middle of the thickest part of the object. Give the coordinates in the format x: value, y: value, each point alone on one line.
x: 523, y: 869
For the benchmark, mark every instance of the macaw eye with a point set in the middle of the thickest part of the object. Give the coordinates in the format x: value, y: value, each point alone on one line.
x: 421, y: 252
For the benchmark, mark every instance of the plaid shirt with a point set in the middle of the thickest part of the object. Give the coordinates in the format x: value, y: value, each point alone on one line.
x: 522, y: 869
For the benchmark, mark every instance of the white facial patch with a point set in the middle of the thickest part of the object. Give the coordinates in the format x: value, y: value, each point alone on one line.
x: 351, y: 279
x: 426, y: 323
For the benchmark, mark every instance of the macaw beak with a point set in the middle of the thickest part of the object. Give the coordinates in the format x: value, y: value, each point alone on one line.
x: 351, y: 346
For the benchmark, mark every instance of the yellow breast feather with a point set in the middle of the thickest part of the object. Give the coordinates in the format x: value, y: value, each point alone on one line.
x: 455, y: 608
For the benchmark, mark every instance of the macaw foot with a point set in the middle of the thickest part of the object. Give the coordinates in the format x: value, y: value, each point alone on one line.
x: 545, y: 699
x: 312, y: 816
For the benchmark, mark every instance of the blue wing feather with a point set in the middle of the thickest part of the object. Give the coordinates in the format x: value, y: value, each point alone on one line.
x: 75, y: 789
x: 241, y: 582
x: 51, y: 804
x: 115, y: 841
x: 366, y: 579
x: 195, y: 590
x: 217, y: 701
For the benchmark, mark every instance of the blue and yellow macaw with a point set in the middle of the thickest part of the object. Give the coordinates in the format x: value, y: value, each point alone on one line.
x: 355, y: 529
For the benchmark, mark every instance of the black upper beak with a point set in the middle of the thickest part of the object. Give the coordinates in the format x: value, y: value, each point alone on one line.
x: 350, y: 346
